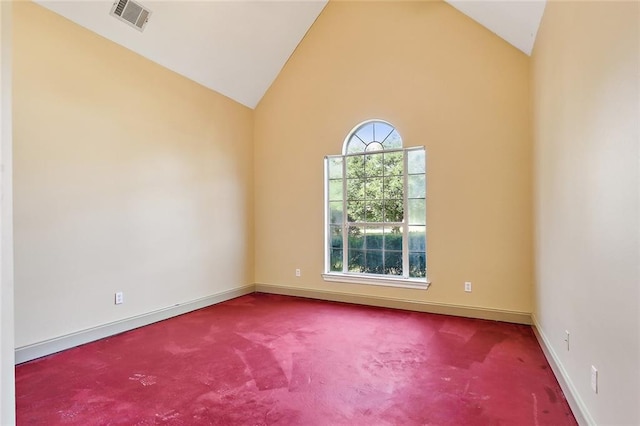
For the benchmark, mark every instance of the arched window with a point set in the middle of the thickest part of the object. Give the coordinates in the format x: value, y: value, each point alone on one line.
x: 375, y: 199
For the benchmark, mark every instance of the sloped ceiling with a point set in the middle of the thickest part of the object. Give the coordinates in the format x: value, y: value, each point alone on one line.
x: 516, y: 21
x: 238, y: 47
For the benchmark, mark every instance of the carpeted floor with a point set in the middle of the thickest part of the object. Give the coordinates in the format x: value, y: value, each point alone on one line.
x: 275, y: 360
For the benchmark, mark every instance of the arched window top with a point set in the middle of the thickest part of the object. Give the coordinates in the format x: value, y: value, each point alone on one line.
x: 372, y: 135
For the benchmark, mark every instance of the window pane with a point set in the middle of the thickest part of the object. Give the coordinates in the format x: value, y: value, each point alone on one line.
x: 417, y: 238
x: 393, y: 262
x: 393, y: 165
x: 356, y: 261
x: 416, y: 185
x: 355, y: 211
x: 393, y: 211
x: 373, y: 262
x: 381, y: 131
x: 335, y: 212
x: 356, y: 237
x: 417, y: 212
x: 355, y: 167
x: 366, y: 132
x: 335, y: 168
x: 355, y: 145
x: 373, y: 189
x: 373, y: 165
x: 336, y: 236
x: 373, y: 211
x: 415, y: 161
x: 417, y: 265
x: 373, y: 237
x: 335, y: 189
x: 335, y: 263
x: 393, y: 141
x: 392, y: 238
x: 355, y: 189
x: 393, y: 187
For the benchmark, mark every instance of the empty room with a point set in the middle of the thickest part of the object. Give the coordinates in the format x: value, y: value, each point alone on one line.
x: 320, y: 212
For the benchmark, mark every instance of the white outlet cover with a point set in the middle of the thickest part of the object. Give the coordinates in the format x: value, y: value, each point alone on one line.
x: 594, y: 379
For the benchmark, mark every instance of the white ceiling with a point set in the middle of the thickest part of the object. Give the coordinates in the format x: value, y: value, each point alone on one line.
x: 516, y: 21
x: 238, y: 47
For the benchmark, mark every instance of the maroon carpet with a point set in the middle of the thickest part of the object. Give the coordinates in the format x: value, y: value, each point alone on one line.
x: 265, y: 359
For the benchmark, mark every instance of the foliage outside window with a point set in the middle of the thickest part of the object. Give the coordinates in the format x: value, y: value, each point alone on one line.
x: 376, y: 207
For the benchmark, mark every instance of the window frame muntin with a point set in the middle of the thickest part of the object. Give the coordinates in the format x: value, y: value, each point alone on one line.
x: 357, y: 127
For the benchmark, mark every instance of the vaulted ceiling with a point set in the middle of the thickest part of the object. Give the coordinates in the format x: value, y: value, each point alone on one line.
x: 238, y: 47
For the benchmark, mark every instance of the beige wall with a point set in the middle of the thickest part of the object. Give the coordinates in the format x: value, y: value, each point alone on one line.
x: 446, y: 83
x: 586, y: 95
x: 7, y: 394
x: 128, y: 178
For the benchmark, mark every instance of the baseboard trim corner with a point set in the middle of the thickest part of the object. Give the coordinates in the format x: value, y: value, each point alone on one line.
x: 578, y: 407
x: 57, y: 344
x: 410, y: 305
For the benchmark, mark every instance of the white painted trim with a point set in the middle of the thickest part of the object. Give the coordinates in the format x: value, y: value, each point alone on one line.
x: 410, y: 305
x: 338, y: 277
x: 57, y: 344
x: 577, y: 405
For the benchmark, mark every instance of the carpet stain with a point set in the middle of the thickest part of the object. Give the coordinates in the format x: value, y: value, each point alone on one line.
x: 301, y: 372
x: 535, y: 410
x: 143, y: 380
x: 551, y: 394
x: 264, y: 368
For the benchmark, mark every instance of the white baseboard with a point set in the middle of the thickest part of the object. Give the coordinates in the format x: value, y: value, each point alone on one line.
x: 57, y: 344
x: 50, y: 346
x: 578, y: 407
x: 410, y: 305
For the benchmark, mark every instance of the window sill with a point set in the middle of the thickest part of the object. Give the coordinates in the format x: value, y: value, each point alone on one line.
x: 377, y: 280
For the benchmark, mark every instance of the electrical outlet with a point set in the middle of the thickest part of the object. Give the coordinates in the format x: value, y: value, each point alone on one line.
x: 467, y: 287
x: 297, y: 272
x: 594, y: 379
x: 119, y: 298
x: 566, y: 338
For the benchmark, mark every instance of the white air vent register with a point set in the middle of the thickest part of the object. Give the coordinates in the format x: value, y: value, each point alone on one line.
x: 131, y: 12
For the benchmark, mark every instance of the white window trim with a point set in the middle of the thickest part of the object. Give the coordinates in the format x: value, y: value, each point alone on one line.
x: 380, y: 280
x: 363, y: 278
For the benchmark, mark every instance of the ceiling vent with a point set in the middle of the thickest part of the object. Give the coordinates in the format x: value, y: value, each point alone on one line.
x: 131, y: 12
